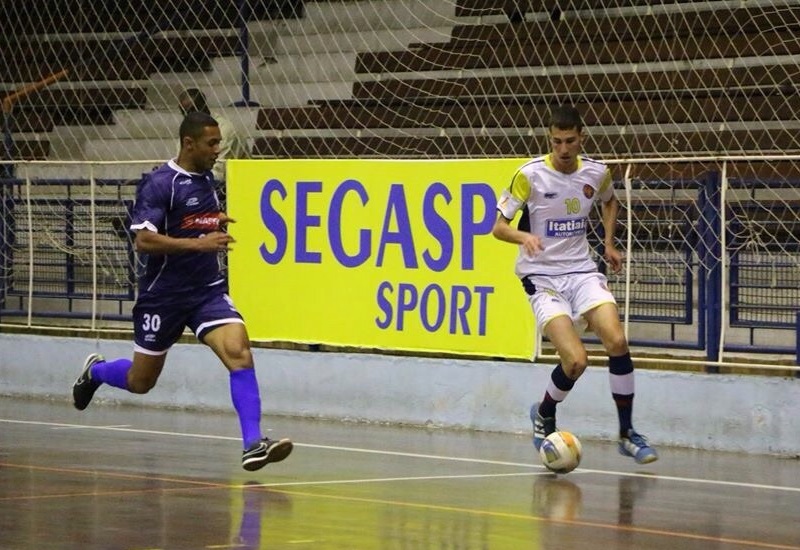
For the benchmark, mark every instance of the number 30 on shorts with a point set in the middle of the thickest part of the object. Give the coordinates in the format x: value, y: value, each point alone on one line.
x: 151, y: 322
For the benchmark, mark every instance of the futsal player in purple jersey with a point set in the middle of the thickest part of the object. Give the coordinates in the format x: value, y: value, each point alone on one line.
x: 179, y: 225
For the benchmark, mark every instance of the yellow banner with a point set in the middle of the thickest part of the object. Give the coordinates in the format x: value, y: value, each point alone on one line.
x: 377, y: 254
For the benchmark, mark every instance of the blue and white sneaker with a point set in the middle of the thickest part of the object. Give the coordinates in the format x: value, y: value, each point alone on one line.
x: 542, y: 427
x: 635, y: 445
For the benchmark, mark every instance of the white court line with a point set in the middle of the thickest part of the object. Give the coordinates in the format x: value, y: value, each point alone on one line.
x: 104, y: 427
x: 425, y: 456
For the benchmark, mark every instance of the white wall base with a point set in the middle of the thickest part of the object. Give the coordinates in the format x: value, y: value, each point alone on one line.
x: 753, y: 414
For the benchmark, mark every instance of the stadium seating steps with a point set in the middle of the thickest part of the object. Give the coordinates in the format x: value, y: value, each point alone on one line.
x: 404, y: 115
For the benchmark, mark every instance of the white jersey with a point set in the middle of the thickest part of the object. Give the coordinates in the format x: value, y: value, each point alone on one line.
x: 556, y: 207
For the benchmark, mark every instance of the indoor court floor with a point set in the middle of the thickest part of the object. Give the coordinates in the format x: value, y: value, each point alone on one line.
x: 138, y: 478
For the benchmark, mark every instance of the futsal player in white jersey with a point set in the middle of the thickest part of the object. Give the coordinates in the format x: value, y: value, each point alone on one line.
x: 556, y: 193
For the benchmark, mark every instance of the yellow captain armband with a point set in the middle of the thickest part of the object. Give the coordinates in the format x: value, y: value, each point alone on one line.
x: 520, y: 187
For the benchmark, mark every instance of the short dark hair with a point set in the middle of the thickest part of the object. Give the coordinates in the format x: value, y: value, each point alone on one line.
x: 194, y: 123
x: 565, y: 117
x: 198, y: 100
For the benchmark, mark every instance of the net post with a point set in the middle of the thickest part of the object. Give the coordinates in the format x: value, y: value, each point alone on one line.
x: 710, y: 235
x: 243, y: 14
x: 7, y: 170
x: 797, y: 345
x: 6, y: 237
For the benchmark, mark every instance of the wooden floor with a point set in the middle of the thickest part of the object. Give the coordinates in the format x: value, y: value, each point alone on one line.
x: 145, y: 479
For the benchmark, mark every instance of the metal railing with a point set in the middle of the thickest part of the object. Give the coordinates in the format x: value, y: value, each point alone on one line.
x: 701, y: 278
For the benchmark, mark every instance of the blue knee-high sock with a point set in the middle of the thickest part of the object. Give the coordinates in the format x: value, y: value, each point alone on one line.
x: 247, y: 402
x: 114, y: 373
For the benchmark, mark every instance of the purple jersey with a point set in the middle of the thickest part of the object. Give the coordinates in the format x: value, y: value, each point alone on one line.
x: 179, y: 204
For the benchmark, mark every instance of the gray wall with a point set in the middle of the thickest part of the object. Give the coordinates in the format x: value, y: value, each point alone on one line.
x: 736, y: 413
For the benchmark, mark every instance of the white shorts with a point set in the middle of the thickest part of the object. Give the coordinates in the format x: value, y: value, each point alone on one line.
x: 571, y: 295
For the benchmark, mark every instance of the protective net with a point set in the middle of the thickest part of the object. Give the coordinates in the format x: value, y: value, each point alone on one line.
x: 403, y: 77
x: 706, y: 90
x: 711, y: 237
x: 652, y: 79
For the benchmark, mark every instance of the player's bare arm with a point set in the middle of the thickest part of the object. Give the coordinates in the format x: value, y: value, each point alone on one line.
x: 150, y: 242
x: 503, y: 231
x: 613, y: 257
x: 224, y: 219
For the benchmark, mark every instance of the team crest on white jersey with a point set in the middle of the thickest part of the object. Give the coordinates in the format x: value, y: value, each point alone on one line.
x: 588, y: 191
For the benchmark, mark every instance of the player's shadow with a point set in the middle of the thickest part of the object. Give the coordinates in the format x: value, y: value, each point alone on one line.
x: 258, y: 502
x: 555, y: 497
x: 630, y: 490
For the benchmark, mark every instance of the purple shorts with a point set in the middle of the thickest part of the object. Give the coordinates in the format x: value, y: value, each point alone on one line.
x: 159, y: 322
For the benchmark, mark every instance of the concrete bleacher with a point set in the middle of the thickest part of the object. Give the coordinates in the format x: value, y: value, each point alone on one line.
x: 640, y: 93
x: 470, y: 146
x: 514, y: 112
x: 455, y: 79
x: 521, y: 7
x: 128, y: 58
x: 631, y: 24
x: 712, y: 78
x: 593, y: 85
x: 313, y: 58
x: 78, y: 16
x: 298, y: 61
x: 30, y: 150
x: 536, y: 52
x: 110, y: 52
x: 103, y: 76
x: 293, y: 61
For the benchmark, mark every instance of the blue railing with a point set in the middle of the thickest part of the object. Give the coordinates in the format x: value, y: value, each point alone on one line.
x: 677, y: 250
x: 67, y: 250
x: 676, y: 268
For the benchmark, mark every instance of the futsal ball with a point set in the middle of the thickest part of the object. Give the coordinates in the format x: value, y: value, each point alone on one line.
x: 560, y: 452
